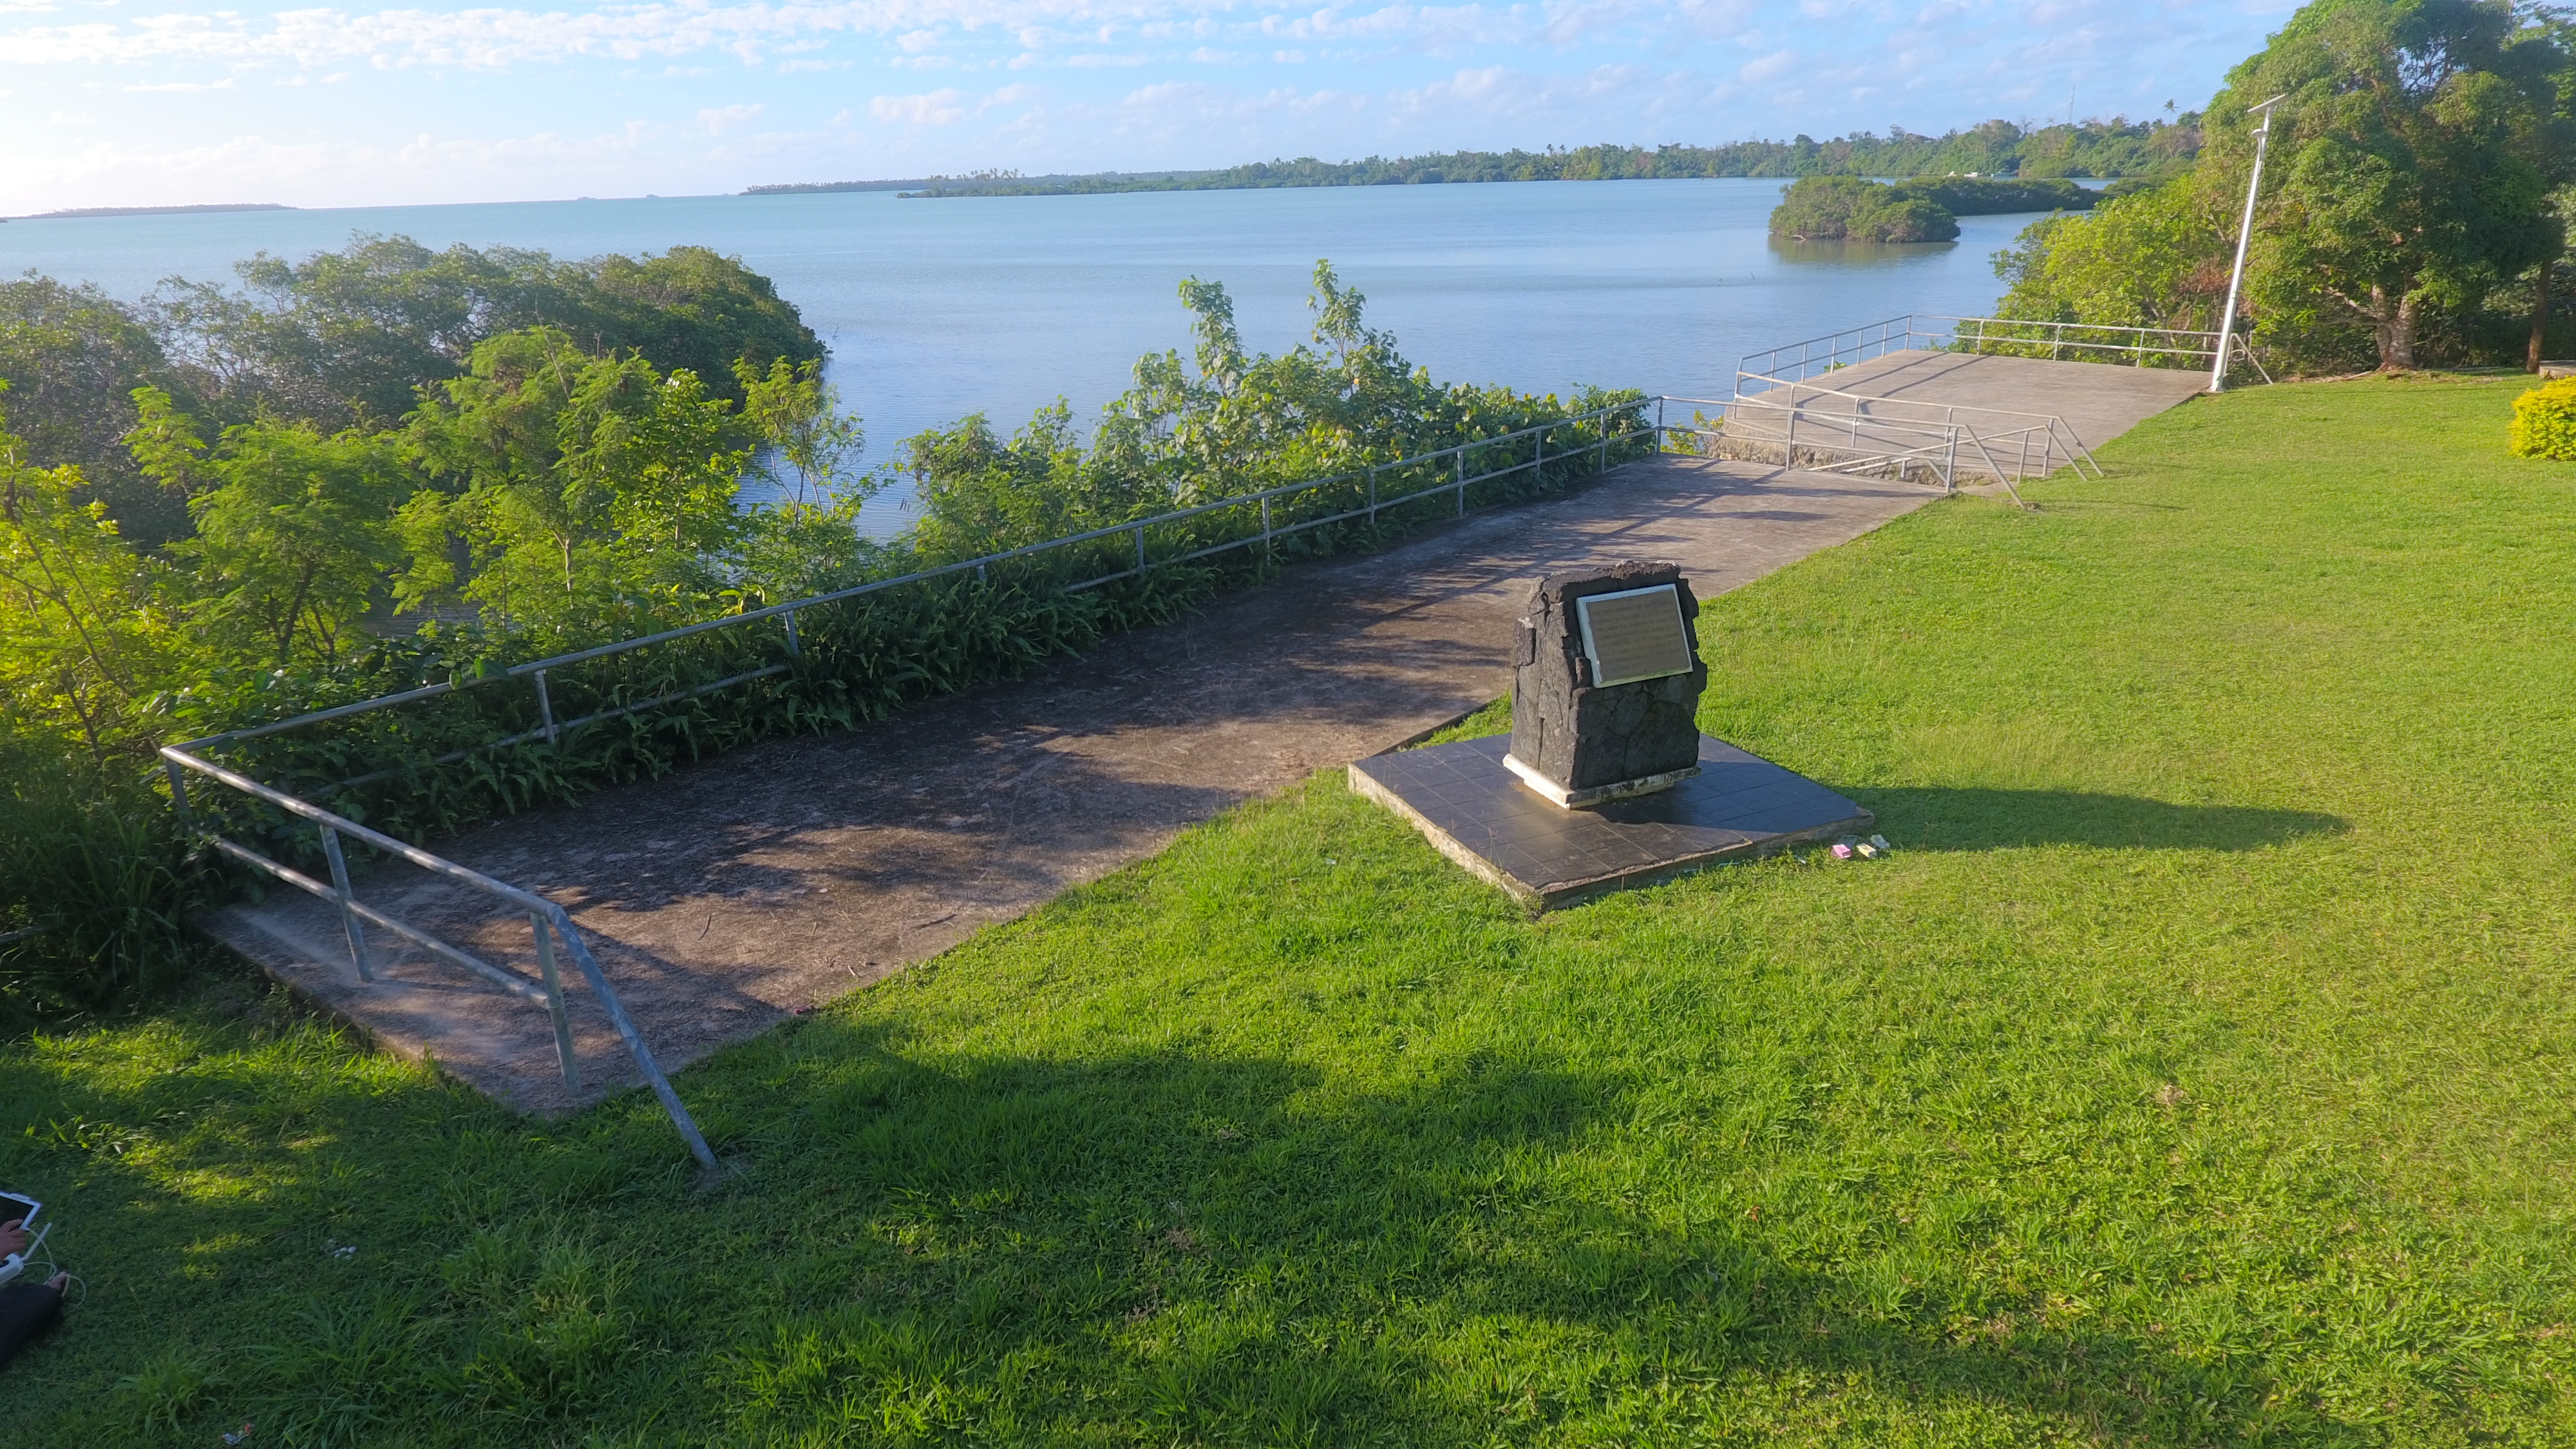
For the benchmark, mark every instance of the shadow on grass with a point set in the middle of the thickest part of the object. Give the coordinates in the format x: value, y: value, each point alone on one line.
x: 1928, y: 818
x: 1174, y: 1244
x: 1217, y: 1249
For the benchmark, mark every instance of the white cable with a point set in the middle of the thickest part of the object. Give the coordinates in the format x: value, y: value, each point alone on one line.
x: 16, y: 1263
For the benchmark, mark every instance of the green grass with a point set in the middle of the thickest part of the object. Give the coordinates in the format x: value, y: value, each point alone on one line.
x: 2197, y: 1073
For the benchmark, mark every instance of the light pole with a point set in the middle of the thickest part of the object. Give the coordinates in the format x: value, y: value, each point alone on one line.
x: 2244, y: 234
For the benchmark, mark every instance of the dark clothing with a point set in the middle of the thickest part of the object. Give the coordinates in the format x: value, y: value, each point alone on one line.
x: 26, y: 1309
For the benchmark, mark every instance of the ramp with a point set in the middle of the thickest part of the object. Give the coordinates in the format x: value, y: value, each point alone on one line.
x: 2100, y: 401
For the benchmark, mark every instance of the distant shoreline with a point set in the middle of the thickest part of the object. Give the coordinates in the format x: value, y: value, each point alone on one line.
x: 2089, y: 151
x: 77, y: 212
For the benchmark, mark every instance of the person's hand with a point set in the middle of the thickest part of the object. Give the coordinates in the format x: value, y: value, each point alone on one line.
x: 13, y: 1237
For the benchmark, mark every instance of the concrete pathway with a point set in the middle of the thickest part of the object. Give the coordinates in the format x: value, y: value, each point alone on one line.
x: 2100, y: 402
x: 781, y: 875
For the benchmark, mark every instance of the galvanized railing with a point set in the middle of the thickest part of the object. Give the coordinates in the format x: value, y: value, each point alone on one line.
x: 546, y: 920
x: 1932, y: 332
x: 549, y: 922
x: 1830, y: 431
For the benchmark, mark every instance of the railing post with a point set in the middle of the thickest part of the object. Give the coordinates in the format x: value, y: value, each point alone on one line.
x: 355, y: 929
x: 555, y: 1000
x: 1461, y: 485
x: 794, y: 648
x: 1601, y: 425
x: 545, y: 705
x: 1266, y: 550
x: 1372, y: 480
x: 635, y: 1046
x: 1140, y: 548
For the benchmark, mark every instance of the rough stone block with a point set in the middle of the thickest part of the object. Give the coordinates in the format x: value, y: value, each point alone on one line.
x: 1587, y: 738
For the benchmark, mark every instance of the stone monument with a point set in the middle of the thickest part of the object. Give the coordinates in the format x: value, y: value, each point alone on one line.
x: 1606, y: 681
x: 1605, y: 782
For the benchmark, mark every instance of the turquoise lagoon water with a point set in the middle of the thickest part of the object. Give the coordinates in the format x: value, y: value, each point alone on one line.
x: 935, y: 309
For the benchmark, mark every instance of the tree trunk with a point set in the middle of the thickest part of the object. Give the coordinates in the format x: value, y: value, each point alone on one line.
x: 2539, y: 318
x: 2394, y: 324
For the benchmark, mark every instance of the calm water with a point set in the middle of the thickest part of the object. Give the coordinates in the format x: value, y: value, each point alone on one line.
x: 935, y: 309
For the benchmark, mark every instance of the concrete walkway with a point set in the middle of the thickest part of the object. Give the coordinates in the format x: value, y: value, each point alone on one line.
x: 2100, y: 402
x: 782, y: 875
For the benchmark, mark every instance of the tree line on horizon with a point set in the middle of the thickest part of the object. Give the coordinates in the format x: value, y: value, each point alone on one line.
x: 2091, y: 148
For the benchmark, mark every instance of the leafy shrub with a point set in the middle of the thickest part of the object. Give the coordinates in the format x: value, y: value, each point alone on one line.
x: 1819, y: 208
x: 1997, y: 195
x: 2544, y: 422
x: 552, y: 501
x: 92, y: 867
x: 1904, y: 219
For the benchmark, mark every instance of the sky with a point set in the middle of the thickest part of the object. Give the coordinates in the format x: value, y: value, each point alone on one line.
x: 147, y: 103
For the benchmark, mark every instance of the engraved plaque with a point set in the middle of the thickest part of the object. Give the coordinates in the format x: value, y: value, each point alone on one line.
x: 1634, y: 634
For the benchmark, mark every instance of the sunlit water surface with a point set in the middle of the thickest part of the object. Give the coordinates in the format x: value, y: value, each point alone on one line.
x: 935, y: 309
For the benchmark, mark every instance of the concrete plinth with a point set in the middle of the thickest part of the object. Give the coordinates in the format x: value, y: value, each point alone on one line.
x: 1475, y: 811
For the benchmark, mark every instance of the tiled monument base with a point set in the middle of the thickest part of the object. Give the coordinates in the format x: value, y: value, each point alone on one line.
x: 1481, y: 816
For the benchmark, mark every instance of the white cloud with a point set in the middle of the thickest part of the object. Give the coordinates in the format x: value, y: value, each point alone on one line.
x: 251, y: 86
x: 1770, y: 67
x: 937, y: 108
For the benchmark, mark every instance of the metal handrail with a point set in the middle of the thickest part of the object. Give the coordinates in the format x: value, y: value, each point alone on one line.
x: 1879, y: 431
x: 550, y: 921
x: 547, y: 917
x: 1910, y: 333
x: 538, y: 668
x: 1872, y: 405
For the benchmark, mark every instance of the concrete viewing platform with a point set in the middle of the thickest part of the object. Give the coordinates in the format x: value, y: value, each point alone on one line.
x: 737, y: 891
x: 2099, y: 401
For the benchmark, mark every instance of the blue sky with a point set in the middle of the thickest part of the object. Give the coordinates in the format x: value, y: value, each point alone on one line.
x: 142, y: 102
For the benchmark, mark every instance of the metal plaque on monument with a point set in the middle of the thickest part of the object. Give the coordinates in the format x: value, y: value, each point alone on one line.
x: 1606, y: 680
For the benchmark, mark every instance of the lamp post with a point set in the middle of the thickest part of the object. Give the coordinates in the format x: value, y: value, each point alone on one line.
x: 2244, y: 234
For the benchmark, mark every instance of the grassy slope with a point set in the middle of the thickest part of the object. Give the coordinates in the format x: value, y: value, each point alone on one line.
x: 2199, y: 1071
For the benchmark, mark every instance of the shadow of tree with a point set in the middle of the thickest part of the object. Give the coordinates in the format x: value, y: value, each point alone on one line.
x: 1940, y: 818
x: 1180, y: 1243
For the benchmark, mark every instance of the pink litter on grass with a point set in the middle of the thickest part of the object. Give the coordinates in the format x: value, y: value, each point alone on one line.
x: 1842, y: 851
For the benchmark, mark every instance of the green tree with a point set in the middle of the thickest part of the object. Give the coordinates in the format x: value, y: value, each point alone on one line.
x: 2405, y: 153
x: 74, y: 356
x: 346, y: 338
x: 584, y: 490
x: 1238, y: 423
x: 1852, y: 208
x: 2153, y: 258
x: 807, y: 442
x: 295, y: 540
x: 86, y: 634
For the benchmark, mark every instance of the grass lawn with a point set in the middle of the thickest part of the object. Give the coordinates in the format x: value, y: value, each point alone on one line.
x: 2201, y: 1071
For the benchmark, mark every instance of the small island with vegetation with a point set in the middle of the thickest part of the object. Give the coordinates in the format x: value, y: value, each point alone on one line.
x: 1925, y: 209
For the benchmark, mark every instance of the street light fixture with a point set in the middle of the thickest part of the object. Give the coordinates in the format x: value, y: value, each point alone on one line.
x: 2244, y: 234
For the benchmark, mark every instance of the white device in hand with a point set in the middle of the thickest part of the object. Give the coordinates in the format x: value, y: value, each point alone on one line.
x: 22, y: 1211
x: 16, y: 1263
